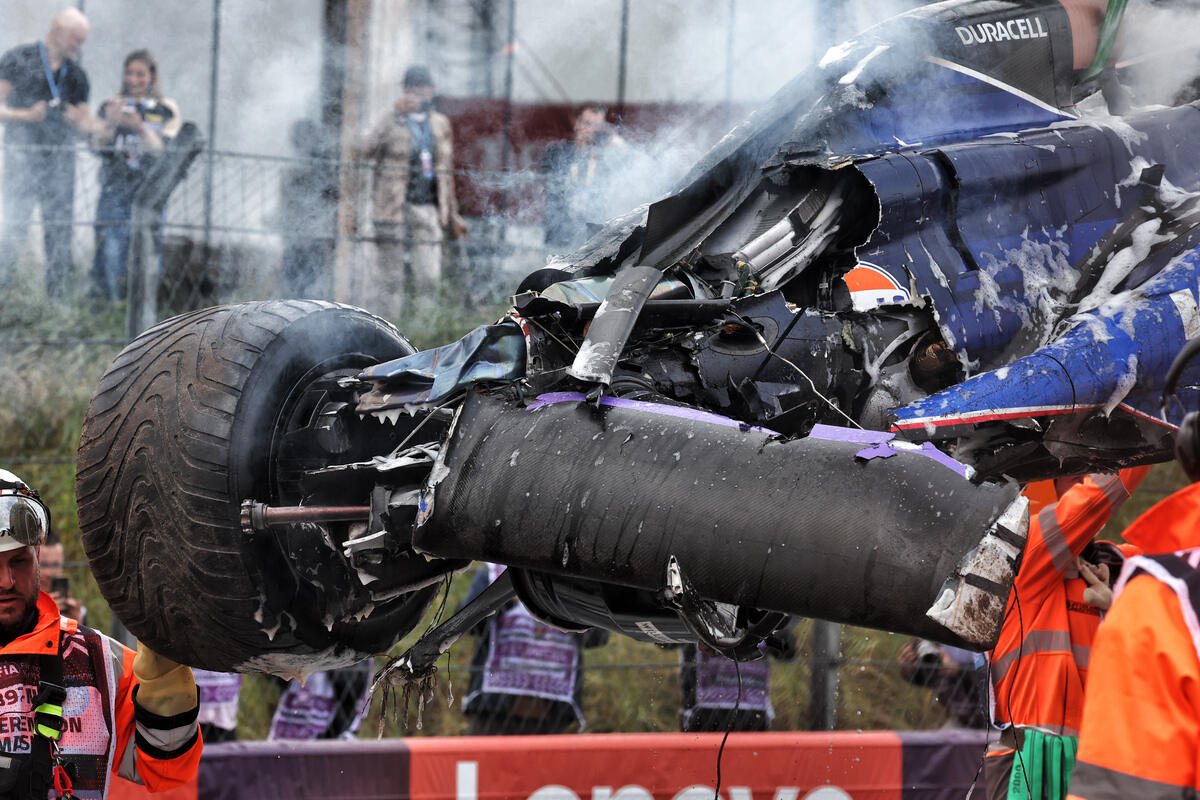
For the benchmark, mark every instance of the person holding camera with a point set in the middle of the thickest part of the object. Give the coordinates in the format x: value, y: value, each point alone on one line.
x: 413, y: 202
x: 957, y: 677
x: 132, y: 131
x: 1039, y: 666
x: 43, y: 107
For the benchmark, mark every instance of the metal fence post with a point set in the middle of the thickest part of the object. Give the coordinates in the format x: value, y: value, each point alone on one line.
x: 826, y: 653
x: 142, y: 267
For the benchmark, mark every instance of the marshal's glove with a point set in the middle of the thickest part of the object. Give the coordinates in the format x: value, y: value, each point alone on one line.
x: 164, y: 687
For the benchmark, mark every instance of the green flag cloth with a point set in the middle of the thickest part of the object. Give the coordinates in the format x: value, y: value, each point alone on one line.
x: 1042, y: 769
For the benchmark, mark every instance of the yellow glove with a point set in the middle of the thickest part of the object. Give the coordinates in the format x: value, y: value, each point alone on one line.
x: 164, y: 687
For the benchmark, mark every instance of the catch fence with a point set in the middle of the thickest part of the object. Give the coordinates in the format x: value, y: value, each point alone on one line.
x: 239, y: 226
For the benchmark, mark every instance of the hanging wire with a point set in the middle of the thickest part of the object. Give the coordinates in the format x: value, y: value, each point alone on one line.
x: 801, y: 372
x: 737, y: 669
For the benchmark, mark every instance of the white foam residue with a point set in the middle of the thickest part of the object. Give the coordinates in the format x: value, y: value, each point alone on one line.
x: 1099, y: 117
x: 1185, y: 304
x: 1125, y: 382
x: 1124, y: 261
x: 290, y: 665
x: 1128, y: 134
x: 1136, y: 165
x: 1046, y: 275
x: 1172, y: 195
x: 852, y: 75
x: 835, y: 54
x: 1099, y: 330
x: 851, y: 95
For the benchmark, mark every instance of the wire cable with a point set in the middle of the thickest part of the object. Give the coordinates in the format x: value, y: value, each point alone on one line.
x: 737, y: 669
x: 801, y: 372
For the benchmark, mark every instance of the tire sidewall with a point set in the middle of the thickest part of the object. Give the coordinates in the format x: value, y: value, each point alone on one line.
x: 333, y: 338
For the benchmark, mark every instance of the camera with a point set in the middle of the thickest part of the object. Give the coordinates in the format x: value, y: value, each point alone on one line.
x: 60, y: 586
x: 929, y: 662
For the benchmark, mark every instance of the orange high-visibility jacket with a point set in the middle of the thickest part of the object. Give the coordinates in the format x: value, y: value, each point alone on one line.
x: 1141, y: 719
x: 1040, y: 663
x: 105, y: 731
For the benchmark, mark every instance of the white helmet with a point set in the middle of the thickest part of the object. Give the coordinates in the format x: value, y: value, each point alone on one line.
x: 24, y: 518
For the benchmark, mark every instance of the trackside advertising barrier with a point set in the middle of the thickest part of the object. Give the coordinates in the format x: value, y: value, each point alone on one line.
x: 881, y: 765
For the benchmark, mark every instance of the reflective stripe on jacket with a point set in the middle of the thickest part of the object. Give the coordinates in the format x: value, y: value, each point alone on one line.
x: 1141, y: 721
x: 105, y: 731
x: 1040, y: 663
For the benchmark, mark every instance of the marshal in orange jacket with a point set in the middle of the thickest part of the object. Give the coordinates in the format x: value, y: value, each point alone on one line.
x: 105, y: 729
x: 1141, y: 719
x: 1040, y: 663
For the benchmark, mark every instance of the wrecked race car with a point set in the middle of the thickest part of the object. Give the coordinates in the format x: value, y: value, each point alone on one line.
x: 806, y: 382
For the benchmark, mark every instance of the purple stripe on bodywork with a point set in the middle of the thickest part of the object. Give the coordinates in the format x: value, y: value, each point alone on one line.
x: 856, y: 435
x: 682, y: 412
x: 881, y: 440
x: 881, y: 445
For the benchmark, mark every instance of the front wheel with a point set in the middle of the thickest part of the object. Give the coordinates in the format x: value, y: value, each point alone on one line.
x: 196, y: 415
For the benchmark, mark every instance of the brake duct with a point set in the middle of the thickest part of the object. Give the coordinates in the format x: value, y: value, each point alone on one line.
x: 844, y: 525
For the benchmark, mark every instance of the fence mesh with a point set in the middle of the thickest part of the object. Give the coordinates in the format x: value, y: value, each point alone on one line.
x: 227, y: 234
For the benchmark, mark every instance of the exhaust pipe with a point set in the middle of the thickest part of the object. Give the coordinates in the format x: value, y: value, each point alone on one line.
x: 844, y: 525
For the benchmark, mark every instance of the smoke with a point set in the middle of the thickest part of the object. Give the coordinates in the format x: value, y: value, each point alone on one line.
x: 709, y: 66
x: 1160, y: 51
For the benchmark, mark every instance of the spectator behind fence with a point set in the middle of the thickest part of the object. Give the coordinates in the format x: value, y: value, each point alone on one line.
x: 710, y: 685
x: 413, y: 204
x: 329, y: 705
x: 131, y: 132
x: 526, y: 676
x: 308, y: 204
x: 219, y: 693
x: 577, y: 173
x: 54, y: 581
x: 43, y: 106
x: 958, y: 678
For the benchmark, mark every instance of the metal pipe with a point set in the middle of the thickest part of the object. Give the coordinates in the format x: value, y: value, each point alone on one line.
x: 729, y: 59
x: 510, y: 50
x: 776, y: 240
x: 213, y: 80
x: 823, y: 686
x: 622, y: 60
x: 259, y: 516
x: 487, y: 18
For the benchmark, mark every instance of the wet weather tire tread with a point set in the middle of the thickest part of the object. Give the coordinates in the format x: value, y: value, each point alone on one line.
x: 157, y: 481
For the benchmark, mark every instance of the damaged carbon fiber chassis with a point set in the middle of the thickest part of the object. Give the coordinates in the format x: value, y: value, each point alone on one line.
x: 611, y: 492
